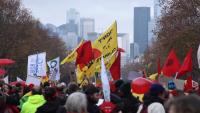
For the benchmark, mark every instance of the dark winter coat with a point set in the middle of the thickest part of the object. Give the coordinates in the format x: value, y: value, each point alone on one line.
x: 49, y: 107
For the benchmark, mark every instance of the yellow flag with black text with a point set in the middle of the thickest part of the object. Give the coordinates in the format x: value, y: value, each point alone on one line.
x: 105, y: 45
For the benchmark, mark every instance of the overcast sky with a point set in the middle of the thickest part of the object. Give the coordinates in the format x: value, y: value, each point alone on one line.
x: 103, y: 11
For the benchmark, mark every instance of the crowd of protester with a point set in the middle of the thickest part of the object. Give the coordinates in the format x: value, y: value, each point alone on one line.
x: 71, y: 98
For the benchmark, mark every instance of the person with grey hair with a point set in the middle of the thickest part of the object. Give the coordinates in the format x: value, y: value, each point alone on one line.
x: 76, y: 103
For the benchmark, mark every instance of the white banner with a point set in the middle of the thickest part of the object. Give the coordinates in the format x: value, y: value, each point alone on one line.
x: 198, y: 56
x: 33, y: 80
x: 37, y: 65
x: 105, y: 82
x: 54, y: 70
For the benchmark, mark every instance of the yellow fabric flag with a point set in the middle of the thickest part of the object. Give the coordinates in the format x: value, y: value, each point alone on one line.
x: 108, y: 62
x: 106, y: 45
x: 72, y: 56
x: 79, y: 74
x: 153, y: 77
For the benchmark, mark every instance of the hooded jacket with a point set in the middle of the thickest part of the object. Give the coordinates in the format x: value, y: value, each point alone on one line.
x: 33, y: 103
x: 49, y: 107
x: 24, y: 99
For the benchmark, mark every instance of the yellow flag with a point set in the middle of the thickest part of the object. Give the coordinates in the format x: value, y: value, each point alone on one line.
x: 153, y: 76
x: 108, y: 62
x: 95, y: 67
x: 72, y: 56
x: 106, y: 45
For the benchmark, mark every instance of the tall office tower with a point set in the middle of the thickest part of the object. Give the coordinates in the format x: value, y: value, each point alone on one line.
x: 131, y: 51
x: 71, y: 40
x: 72, y: 14
x: 141, y: 19
x: 134, y: 51
x: 87, y: 25
x: 123, y: 42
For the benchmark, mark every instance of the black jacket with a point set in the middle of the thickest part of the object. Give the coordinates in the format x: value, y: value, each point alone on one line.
x: 49, y: 107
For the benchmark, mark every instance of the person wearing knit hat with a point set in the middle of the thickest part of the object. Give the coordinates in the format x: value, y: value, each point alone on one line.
x: 172, y: 89
x: 153, y: 100
x: 171, y: 85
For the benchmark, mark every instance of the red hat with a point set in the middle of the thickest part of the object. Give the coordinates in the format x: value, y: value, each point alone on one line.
x: 107, y: 107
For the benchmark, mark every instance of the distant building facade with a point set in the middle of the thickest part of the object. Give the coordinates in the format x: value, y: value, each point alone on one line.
x: 141, y: 19
x: 123, y: 42
x: 87, y: 25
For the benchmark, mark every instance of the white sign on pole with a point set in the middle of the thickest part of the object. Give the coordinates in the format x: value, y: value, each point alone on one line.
x: 33, y: 80
x: 198, y: 56
x: 37, y: 65
x: 54, y: 69
x: 105, y: 82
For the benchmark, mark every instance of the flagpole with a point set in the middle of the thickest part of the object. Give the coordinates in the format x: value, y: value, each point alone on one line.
x: 176, y: 75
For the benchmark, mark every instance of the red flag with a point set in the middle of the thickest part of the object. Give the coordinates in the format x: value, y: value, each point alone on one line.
x: 171, y: 65
x: 158, y: 66
x: 187, y: 64
x: 188, y: 84
x: 115, y: 69
x: 84, y: 53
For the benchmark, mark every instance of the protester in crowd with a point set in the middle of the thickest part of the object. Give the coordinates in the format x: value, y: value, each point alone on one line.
x: 76, y: 103
x: 115, y: 95
x: 52, y: 102
x: 185, y: 104
x: 5, y: 107
x: 26, y: 94
x: 62, y: 96
x: 72, y: 87
x: 34, y: 101
x: 2, y: 102
x: 172, y: 89
x: 118, y: 83
x: 131, y: 104
x: 13, y: 96
x: 61, y: 93
x: 92, y: 97
x: 153, y: 100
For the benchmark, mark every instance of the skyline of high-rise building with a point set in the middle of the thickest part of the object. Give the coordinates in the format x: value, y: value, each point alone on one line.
x: 74, y: 15
x: 87, y: 25
x: 123, y: 42
x: 141, y: 19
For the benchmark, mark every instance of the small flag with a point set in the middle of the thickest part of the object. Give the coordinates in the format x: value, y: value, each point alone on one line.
x: 186, y: 66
